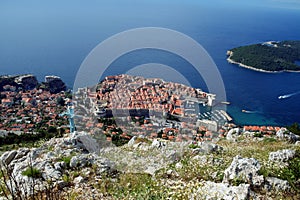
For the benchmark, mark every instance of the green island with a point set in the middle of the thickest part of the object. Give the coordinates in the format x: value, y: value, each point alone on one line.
x: 269, y: 56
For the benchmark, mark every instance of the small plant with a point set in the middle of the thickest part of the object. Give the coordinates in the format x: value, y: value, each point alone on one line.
x: 237, y: 181
x: 66, y: 178
x: 66, y: 160
x: 193, y: 146
x: 12, y: 188
x: 32, y: 172
x: 75, y: 174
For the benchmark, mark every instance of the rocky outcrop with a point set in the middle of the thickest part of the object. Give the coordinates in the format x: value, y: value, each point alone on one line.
x: 282, y: 155
x: 283, y: 133
x: 272, y: 183
x: 7, y: 157
x: 54, y: 86
x: 232, y: 134
x: 50, y: 160
x: 167, y: 163
x: 26, y: 82
x: 244, y: 170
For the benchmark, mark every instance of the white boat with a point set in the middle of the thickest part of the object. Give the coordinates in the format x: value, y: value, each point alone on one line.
x: 283, y: 96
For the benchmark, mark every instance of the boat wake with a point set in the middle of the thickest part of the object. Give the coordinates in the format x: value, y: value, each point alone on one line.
x: 249, y: 111
x: 288, y: 95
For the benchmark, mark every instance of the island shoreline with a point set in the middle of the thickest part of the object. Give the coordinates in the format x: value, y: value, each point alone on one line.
x: 231, y: 61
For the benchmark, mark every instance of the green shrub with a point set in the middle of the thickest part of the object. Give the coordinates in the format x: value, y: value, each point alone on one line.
x: 291, y: 173
x: 32, y: 172
x: 66, y: 159
x: 258, y: 134
x: 294, y: 128
x: 193, y: 146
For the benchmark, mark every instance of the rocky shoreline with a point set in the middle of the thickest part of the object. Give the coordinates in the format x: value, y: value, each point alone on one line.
x: 230, y: 54
x: 229, y: 59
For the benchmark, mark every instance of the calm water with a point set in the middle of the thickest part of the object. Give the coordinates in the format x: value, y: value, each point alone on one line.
x: 55, y: 37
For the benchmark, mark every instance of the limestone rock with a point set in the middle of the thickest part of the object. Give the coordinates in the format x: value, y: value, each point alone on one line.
x: 21, y: 153
x: 89, y: 143
x: 51, y: 173
x: 7, y: 157
x: 131, y: 142
x: 232, y: 134
x: 61, y: 184
x: 79, y: 161
x: 272, y: 183
x: 245, y: 169
x: 282, y: 155
x: 157, y: 144
x: 59, y: 166
x: 78, y: 180
x: 283, y: 133
x: 151, y: 170
x: 178, y: 165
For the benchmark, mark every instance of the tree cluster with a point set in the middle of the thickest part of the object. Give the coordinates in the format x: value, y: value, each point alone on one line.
x: 270, y: 58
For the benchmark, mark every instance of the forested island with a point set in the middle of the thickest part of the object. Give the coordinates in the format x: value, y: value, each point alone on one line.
x: 268, y: 56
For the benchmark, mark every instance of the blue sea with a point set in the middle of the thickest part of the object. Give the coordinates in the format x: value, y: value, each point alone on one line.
x: 54, y: 37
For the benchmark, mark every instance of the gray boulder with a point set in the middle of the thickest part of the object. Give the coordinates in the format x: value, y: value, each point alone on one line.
x: 85, y: 141
x: 232, y: 134
x: 59, y: 166
x: 283, y: 133
x: 131, y: 142
x: 78, y: 180
x: 244, y: 169
x: 61, y: 184
x: 151, y: 170
x: 7, y: 157
x: 80, y: 161
x: 104, y: 166
x: 88, y: 143
x: 212, y: 191
x: 86, y: 160
x: 272, y: 183
x: 282, y: 155
x: 21, y: 153
x: 51, y: 173
x: 157, y: 144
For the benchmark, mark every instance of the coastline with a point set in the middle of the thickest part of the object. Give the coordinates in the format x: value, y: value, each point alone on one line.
x: 230, y: 54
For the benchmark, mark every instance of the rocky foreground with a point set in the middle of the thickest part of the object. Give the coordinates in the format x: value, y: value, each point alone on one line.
x: 80, y: 166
